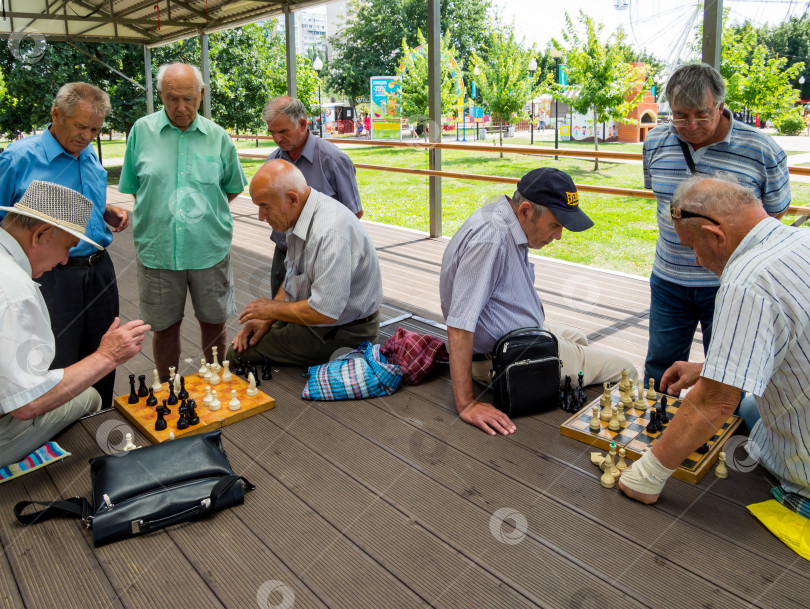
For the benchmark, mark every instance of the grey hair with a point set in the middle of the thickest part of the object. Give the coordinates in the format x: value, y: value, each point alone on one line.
x: 537, y: 209
x: 714, y: 196
x: 25, y: 222
x: 70, y: 94
x: 162, y: 72
x: 687, y: 86
x: 290, y: 107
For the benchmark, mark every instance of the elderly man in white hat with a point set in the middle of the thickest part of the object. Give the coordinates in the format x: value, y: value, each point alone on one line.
x: 35, y: 402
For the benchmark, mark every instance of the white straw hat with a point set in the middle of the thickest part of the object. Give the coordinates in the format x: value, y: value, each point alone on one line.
x: 57, y: 205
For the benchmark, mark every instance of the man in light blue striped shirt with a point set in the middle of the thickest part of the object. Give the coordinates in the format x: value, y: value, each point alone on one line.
x: 332, y: 289
x: 761, y: 341
x: 487, y: 290
x: 703, y: 138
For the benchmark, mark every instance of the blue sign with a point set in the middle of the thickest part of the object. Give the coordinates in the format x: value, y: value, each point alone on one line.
x: 474, y: 90
x: 478, y: 112
x: 563, y: 74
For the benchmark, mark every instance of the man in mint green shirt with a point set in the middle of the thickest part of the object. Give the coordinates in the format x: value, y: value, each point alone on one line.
x: 184, y: 171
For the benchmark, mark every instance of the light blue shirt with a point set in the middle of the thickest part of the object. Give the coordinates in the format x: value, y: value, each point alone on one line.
x: 328, y: 170
x: 487, y: 282
x: 41, y: 157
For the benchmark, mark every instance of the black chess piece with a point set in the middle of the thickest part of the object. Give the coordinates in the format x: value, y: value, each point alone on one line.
x: 658, y: 422
x: 703, y: 449
x: 191, y: 407
x: 160, y: 424
x: 652, y: 426
x: 151, y: 400
x: 133, y: 395
x: 663, y: 414
x: 164, y: 409
x: 143, y: 390
x: 172, y: 397
x: 182, y: 422
x: 240, y: 367
x: 582, y: 398
x: 254, y: 369
x: 266, y: 374
x: 183, y: 395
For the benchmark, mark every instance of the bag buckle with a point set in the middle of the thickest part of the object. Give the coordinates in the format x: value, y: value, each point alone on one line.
x: 109, y: 504
x: 136, y: 526
x: 88, y: 522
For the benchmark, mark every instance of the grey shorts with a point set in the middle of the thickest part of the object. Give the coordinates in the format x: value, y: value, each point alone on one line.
x: 162, y: 294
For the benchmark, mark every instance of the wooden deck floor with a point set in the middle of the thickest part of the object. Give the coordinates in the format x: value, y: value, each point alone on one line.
x: 396, y: 503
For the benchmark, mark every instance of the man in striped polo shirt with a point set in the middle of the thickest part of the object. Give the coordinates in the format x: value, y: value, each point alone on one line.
x: 761, y: 339
x: 703, y: 138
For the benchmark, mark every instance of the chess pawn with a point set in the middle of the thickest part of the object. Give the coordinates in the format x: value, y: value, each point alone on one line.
x: 214, y: 380
x: 226, y: 374
x: 641, y: 402
x: 622, y: 464
x: 203, y: 368
x: 143, y: 391
x: 129, y: 444
x: 627, y: 396
x: 234, y: 403
x: 182, y: 394
x: 215, y: 404
x: 160, y: 423
x: 171, y: 435
x: 133, y: 395
x: 215, y: 367
x: 620, y: 417
x: 651, y: 395
x: 251, y: 390
x: 721, y: 471
x: 151, y: 400
x: 208, y: 397
x: 156, y: 385
x: 171, y: 373
x: 172, y: 395
x: 207, y: 375
x: 613, y: 425
x: 596, y: 426
x: 182, y: 422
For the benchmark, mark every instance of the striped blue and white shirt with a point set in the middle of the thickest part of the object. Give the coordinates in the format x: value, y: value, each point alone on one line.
x: 331, y: 262
x: 746, y: 155
x: 761, y: 344
x: 487, y: 282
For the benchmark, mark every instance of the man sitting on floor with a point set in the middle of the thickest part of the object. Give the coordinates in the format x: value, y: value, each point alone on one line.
x: 332, y: 289
x: 760, y: 342
x: 37, y: 403
x: 487, y: 290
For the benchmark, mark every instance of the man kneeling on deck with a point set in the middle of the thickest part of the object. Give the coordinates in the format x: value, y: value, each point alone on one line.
x: 487, y: 290
x: 760, y: 342
x: 35, y: 402
x: 333, y: 288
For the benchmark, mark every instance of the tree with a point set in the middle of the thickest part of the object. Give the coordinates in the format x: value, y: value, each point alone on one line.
x: 791, y: 39
x: 415, y: 81
x: 605, y: 83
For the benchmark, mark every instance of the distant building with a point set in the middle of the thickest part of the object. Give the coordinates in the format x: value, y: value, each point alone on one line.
x: 310, y: 32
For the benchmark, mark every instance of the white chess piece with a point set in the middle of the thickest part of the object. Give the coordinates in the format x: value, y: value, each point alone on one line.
x: 176, y: 384
x: 651, y: 394
x: 214, y: 380
x: 129, y: 445
x: 215, y: 404
x: 208, y: 397
x: 251, y: 390
x: 171, y: 373
x: 203, y: 369
x: 171, y: 435
x: 226, y: 375
x: 215, y: 367
x: 641, y: 402
x: 234, y: 403
x: 207, y: 375
x: 156, y: 386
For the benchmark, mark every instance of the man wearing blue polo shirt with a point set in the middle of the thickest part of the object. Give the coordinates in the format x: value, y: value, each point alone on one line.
x: 82, y: 294
x: 702, y: 138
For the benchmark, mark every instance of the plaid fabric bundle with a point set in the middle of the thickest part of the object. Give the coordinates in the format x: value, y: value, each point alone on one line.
x: 416, y: 353
x: 362, y: 373
x: 795, y: 502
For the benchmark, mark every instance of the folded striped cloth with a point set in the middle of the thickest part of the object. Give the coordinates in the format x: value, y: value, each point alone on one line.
x: 416, y: 353
x: 362, y: 373
x: 45, y: 454
x: 797, y: 503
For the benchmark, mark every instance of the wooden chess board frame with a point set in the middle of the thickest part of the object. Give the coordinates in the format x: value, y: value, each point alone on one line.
x: 634, y: 435
x: 143, y: 417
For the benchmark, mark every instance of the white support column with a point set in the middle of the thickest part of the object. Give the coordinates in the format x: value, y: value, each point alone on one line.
x: 147, y: 73
x: 206, y: 74
x: 289, y: 30
x: 435, y: 111
x: 712, y: 32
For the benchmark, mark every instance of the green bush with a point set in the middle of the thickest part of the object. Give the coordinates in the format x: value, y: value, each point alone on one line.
x: 790, y: 124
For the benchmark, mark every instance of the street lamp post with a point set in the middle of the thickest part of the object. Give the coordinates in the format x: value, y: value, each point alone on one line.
x: 532, y: 70
x: 556, y: 54
x: 317, y: 65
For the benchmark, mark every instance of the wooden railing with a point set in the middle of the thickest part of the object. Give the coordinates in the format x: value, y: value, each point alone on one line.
x: 606, y: 155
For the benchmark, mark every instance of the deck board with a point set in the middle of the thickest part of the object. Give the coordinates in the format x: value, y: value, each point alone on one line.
x: 389, y: 502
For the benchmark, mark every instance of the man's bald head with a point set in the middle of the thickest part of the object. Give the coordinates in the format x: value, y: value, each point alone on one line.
x: 280, y: 191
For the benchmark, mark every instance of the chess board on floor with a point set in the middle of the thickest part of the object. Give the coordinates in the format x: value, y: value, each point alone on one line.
x: 634, y: 435
x: 143, y: 417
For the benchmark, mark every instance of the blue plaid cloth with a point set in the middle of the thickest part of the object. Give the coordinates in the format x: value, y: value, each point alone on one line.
x: 797, y: 503
x: 362, y: 373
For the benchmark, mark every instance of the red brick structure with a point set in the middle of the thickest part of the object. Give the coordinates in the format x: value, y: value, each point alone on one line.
x: 646, y: 113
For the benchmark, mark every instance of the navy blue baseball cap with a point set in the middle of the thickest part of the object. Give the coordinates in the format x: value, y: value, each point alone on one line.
x: 555, y: 189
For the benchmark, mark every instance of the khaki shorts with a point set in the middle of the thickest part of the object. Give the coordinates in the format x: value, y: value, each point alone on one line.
x: 162, y: 294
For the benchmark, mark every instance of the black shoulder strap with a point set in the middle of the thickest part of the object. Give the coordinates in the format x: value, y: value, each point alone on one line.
x: 687, y: 155
x: 78, y: 507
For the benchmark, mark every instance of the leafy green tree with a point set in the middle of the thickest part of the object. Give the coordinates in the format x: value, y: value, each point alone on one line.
x: 605, y: 83
x: 503, y: 78
x: 791, y: 39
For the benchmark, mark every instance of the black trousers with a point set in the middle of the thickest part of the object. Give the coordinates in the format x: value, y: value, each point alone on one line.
x: 82, y: 302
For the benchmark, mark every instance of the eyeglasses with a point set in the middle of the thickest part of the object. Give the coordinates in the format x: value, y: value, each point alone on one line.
x: 684, y: 122
x: 681, y: 214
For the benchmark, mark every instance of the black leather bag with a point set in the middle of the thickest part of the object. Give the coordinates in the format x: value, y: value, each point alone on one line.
x: 526, y: 372
x: 150, y: 488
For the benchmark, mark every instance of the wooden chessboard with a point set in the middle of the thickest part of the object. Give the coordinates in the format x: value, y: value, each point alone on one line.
x: 144, y: 417
x: 634, y: 435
